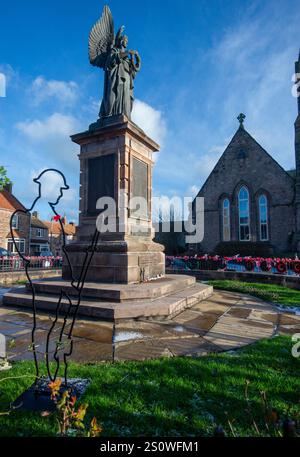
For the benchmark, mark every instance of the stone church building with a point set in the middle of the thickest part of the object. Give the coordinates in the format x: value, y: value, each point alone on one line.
x: 251, y: 204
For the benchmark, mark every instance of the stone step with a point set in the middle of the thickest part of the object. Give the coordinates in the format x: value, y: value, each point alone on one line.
x: 167, y: 306
x: 119, y: 292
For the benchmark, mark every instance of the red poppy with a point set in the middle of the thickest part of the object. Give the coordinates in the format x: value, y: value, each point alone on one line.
x: 297, y: 268
x: 281, y: 267
x: 249, y: 265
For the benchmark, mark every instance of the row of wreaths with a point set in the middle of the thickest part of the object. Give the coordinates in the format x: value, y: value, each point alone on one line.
x: 217, y: 263
x: 280, y: 265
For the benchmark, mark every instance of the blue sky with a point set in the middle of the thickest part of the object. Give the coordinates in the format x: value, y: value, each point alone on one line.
x: 204, y: 62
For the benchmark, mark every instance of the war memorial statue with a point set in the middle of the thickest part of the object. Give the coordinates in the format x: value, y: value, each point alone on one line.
x: 109, y: 51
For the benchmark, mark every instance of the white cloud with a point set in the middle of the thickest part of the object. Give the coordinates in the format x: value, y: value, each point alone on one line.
x: 50, y: 143
x: 55, y: 125
x: 150, y: 120
x: 65, y: 92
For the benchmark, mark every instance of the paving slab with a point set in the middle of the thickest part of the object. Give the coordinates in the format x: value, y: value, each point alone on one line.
x: 287, y: 319
x: 260, y: 315
x: 230, y: 332
x: 190, y: 347
x: 187, y: 316
x: 88, y: 351
x: 237, y: 311
x: 101, y: 332
x: 260, y: 324
x: 5, y: 311
x: 221, y: 322
x: 21, y: 347
x: 17, y: 318
x: 224, y: 296
x: 288, y: 329
x: 141, y: 350
x: 211, y: 307
x: 12, y: 330
x: 202, y: 323
x: 152, y: 330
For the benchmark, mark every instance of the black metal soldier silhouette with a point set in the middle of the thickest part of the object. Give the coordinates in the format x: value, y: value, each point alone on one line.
x: 68, y: 304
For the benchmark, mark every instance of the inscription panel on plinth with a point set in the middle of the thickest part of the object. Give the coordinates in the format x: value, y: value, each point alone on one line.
x: 147, y: 260
x: 140, y: 187
x: 101, y: 182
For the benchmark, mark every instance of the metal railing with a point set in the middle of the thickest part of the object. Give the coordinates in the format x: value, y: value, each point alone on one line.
x: 241, y: 264
x: 16, y: 263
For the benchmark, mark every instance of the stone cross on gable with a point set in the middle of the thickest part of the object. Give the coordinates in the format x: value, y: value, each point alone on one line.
x: 241, y: 117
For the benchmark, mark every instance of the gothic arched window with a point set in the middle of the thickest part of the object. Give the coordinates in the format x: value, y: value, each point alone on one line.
x: 263, y: 218
x: 226, y: 219
x: 244, y: 214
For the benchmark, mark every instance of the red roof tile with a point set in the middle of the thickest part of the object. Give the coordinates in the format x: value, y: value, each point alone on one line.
x: 36, y: 222
x: 15, y: 233
x: 9, y: 201
x: 55, y: 228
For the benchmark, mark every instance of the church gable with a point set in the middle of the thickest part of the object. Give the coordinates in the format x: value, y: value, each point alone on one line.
x: 245, y: 162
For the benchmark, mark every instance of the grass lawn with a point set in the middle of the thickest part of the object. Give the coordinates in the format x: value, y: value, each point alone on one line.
x: 279, y: 295
x: 173, y: 397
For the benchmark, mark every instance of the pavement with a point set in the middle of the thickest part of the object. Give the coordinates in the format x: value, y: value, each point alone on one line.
x: 225, y: 321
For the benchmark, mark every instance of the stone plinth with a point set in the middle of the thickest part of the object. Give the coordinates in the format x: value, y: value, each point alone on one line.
x: 119, y: 293
x: 116, y: 162
x: 163, y: 298
x: 125, y: 262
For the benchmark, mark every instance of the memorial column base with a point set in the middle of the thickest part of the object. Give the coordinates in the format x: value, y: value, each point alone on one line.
x: 123, y: 262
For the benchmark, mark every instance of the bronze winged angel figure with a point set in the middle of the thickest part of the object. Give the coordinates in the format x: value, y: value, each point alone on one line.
x: 109, y: 51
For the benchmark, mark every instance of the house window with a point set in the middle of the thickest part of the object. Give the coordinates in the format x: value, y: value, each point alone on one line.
x: 15, y: 222
x: 263, y: 218
x: 39, y: 232
x: 38, y: 249
x: 226, y: 219
x: 20, y: 244
x: 244, y: 215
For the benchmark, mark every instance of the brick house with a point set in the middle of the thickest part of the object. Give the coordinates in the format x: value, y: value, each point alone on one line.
x: 21, y: 223
x: 39, y: 235
x: 56, y: 236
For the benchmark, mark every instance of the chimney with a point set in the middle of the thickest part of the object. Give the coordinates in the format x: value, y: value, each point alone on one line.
x: 8, y: 187
x: 35, y: 214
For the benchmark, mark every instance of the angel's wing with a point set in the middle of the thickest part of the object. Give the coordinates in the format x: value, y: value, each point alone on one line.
x: 101, y: 38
